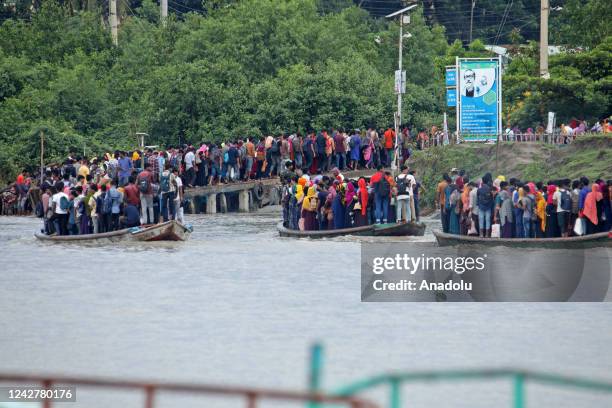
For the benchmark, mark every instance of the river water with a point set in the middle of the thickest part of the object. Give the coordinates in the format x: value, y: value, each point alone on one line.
x: 239, y: 305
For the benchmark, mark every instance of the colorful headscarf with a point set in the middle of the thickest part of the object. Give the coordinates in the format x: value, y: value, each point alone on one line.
x: 363, y: 195
x: 299, y: 192
x: 550, y: 192
x: 590, y: 203
x: 312, y: 193
x: 350, y: 193
x: 541, y: 210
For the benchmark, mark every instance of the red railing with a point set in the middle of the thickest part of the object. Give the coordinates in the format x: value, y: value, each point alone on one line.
x: 251, y: 395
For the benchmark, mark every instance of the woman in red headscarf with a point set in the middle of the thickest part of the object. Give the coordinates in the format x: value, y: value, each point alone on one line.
x: 361, y: 208
x: 592, y: 211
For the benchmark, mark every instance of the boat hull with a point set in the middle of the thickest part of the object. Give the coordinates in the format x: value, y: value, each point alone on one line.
x: 600, y: 240
x: 167, y: 231
x: 386, y: 230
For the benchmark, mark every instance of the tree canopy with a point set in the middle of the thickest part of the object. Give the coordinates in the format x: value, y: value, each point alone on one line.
x: 220, y: 68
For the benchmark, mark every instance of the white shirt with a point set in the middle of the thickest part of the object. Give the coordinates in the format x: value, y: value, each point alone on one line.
x: 56, y: 199
x: 179, y: 184
x: 189, y: 159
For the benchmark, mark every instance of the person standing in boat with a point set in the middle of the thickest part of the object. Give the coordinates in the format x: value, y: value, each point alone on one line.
x: 485, y: 201
x: 440, y: 200
x: 552, y: 230
x: 506, y: 213
x: 382, y: 193
x: 592, y: 209
x: 309, y: 209
x: 361, y: 208
x: 563, y: 201
x: 144, y: 182
x: 404, y: 183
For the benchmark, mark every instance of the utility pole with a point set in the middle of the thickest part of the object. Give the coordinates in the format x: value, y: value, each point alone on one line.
x: 42, y: 155
x: 403, y: 14
x: 545, y: 9
x: 472, y: 19
x: 113, y: 21
x: 398, y: 122
x: 164, y: 11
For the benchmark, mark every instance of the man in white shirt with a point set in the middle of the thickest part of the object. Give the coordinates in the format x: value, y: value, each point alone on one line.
x: 189, y: 167
x: 60, y: 202
x: 404, y: 182
x: 563, y: 200
x: 178, y: 200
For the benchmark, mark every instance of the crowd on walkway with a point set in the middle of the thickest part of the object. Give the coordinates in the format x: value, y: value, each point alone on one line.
x: 566, y: 133
x: 324, y: 202
x: 523, y: 209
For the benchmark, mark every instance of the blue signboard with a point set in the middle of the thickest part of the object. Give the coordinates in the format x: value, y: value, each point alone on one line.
x: 479, y: 90
x: 451, y: 77
x: 451, y: 97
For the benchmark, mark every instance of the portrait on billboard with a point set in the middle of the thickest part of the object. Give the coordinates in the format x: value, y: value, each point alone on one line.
x: 477, y: 82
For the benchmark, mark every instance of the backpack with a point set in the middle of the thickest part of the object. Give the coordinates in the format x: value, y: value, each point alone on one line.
x: 485, y: 196
x: 112, y: 170
x: 107, y: 203
x: 64, y: 203
x: 566, y: 201
x: 402, y: 185
x: 383, y: 188
x: 226, y: 157
x: 261, y: 153
x: 274, y: 148
x: 143, y: 185
x: 39, y: 209
x: 164, y: 183
x: 314, y: 203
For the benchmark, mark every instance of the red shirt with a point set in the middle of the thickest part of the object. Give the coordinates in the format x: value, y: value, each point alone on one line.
x: 132, y: 194
x: 389, y: 135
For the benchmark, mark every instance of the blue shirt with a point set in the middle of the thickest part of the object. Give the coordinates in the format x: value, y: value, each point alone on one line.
x: 583, y: 193
x: 125, y: 165
x: 115, y: 197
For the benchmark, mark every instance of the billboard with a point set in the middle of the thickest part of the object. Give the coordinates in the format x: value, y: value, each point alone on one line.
x: 451, y: 97
x: 479, y: 99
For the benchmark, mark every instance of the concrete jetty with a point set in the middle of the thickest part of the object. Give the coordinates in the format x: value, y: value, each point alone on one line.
x: 244, y: 196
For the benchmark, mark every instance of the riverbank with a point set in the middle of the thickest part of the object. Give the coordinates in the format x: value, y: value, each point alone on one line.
x: 589, y: 156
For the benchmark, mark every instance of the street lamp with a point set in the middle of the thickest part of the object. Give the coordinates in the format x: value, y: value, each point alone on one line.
x: 400, y: 76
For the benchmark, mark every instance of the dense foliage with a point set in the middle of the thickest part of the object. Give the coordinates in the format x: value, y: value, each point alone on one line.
x: 248, y: 67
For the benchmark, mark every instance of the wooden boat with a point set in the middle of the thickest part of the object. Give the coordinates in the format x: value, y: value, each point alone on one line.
x: 384, y: 230
x: 167, y: 231
x: 602, y: 239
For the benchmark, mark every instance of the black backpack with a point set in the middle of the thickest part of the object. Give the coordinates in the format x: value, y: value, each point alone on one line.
x: 383, y: 188
x: 402, y: 185
x: 485, y: 196
x: 143, y: 185
x: 566, y: 201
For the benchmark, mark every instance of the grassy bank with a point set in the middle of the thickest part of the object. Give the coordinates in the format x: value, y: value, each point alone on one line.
x: 589, y: 156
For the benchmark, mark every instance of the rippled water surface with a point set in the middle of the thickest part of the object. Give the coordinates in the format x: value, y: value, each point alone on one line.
x: 239, y: 305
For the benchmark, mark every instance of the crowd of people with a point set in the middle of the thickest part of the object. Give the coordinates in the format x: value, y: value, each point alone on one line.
x: 566, y: 132
x: 523, y: 209
x: 324, y: 202
x: 84, y: 197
